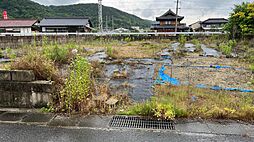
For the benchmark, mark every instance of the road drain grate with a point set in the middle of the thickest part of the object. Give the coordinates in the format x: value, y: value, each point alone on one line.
x: 139, y: 122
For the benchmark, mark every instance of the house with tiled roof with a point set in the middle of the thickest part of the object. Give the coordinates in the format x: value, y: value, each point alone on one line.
x: 75, y: 24
x: 209, y: 25
x: 167, y: 23
x: 23, y: 26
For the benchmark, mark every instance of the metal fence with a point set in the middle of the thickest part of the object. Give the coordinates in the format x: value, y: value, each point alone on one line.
x: 113, y: 34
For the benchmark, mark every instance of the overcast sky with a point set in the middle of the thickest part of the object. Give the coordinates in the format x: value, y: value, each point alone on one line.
x: 193, y: 10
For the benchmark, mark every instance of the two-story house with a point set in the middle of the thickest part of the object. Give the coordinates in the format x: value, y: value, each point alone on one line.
x: 167, y: 23
x: 209, y: 25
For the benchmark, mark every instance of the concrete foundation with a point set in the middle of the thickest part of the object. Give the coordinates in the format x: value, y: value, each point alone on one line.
x: 19, y: 89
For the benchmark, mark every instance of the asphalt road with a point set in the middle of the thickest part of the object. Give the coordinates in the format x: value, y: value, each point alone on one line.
x: 29, y: 133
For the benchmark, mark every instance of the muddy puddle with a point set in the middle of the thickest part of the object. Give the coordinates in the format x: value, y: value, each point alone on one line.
x: 189, y: 47
x: 137, y: 82
x: 209, y: 52
x: 99, y: 56
x: 132, y: 76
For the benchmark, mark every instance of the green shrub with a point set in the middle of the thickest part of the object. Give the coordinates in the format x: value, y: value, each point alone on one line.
x: 10, y: 53
x: 154, y: 108
x: 111, y: 52
x: 1, y: 53
x: 57, y: 54
x: 252, y: 68
x: 249, y: 55
x: 182, y: 40
x: 127, y: 39
x: 77, y: 87
x: 164, y: 111
x: 227, y: 47
x: 197, y: 44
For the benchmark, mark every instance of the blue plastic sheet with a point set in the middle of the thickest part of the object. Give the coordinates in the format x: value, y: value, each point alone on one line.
x: 201, y: 86
x: 220, y: 67
x: 231, y: 89
x: 166, y: 56
x: 216, y: 88
x: 164, y: 78
x: 246, y: 91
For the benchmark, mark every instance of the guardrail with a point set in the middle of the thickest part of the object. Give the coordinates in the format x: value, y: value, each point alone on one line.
x: 112, y: 34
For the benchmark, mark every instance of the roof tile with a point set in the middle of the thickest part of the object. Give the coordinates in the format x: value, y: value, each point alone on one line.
x: 16, y: 23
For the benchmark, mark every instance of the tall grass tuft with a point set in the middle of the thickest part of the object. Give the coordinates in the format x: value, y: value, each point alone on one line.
x: 77, y: 88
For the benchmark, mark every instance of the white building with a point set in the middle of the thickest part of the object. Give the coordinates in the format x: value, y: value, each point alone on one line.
x: 17, y: 26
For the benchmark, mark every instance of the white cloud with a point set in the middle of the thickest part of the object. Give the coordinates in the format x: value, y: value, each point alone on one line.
x: 193, y: 10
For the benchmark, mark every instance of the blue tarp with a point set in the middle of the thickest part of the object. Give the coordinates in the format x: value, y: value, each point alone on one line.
x: 164, y: 78
x: 201, y: 86
x: 226, y: 89
x: 216, y: 88
x: 220, y: 67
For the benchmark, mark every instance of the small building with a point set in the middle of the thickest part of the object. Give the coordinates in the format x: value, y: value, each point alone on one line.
x: 167, y: 23
x: 23, y: 26
x: 196, y: 27
x: 65, y: 25
x: 209, y: 25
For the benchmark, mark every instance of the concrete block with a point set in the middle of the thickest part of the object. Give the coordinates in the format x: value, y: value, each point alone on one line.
x: 12, y: 116
x: 5, y: 75
x: 39, y: 99
x: 38, y: 117
x: 63, y: 121
x: 5, y: 98
x: 42, y: 86
x: 21, y: 99
x: 22, y: 75
x: 15, y: 86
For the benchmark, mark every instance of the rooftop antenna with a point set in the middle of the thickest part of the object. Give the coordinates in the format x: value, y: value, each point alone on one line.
x: 100, y: 25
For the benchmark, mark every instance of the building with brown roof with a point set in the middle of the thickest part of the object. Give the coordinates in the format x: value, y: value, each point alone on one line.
x: 23, y: 26
x: 167, y: 23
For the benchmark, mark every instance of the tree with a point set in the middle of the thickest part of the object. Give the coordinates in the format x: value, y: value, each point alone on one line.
x: 241, y: 21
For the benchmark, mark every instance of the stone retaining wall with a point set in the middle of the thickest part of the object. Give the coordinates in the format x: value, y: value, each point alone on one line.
x: 20, y: 89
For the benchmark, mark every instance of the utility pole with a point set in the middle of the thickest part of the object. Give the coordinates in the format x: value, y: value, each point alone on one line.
x: 106, y: 23
x: 100, y: 25
x: 112, y: 22
x: 177, y: 7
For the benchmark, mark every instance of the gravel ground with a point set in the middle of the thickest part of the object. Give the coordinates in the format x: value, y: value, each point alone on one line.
x: 237, y: 77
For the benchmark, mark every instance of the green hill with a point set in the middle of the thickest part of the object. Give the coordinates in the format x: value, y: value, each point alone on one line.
x: 30, y: 9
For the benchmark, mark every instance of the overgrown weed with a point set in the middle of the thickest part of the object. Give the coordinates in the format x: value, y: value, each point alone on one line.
x: 194, y: 103
x: 43, y: 68
x: 77, y: 89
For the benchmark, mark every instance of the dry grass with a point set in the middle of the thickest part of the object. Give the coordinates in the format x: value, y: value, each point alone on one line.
x: 227, y: 78
x: 134, y: 49
x: 43, y: 68
x: 189, y: 102
x: 4, y: 66
x: 209, y: 104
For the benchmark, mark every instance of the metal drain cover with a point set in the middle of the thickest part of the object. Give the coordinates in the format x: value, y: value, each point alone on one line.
x: 140, y: 122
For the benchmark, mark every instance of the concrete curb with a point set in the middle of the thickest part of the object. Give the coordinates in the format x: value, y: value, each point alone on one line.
x: 35, y: 117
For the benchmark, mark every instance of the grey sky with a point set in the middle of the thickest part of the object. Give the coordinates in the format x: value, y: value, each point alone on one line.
x: 193, y: 10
